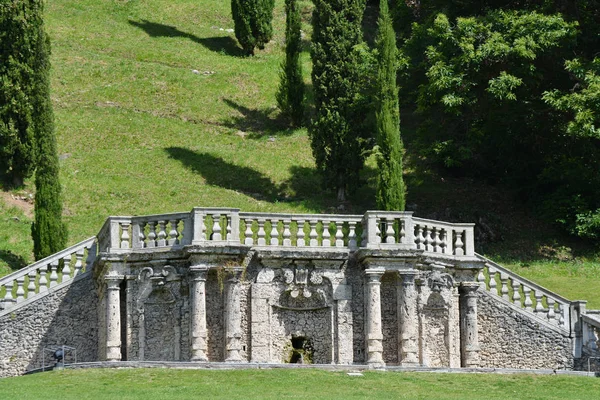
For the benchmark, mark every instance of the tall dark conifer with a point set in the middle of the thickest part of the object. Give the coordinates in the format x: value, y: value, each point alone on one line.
x: 252, y: 23
x: 336, y: 130
x: 48, y: 230
x: 19, y: 22
x: 390, y: 184
x: 290, y: 95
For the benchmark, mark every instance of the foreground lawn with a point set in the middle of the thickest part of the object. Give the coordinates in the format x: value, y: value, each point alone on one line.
x: 291, y: 384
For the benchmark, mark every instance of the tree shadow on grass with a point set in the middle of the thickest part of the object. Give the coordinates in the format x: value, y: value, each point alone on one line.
x: 14, y: 261
x: 219, y: 44
x: 218, y: 172
x: 258, y: 122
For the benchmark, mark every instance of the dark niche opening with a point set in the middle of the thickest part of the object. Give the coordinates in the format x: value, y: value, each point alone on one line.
x: 301, y: 351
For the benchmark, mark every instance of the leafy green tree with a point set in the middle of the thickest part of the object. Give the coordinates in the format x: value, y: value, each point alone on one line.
x: 290, y: 95
x: 390, y: 184
x: 336, y: 132
x: 19, y: 20
x: 48, y: 230
x: 252, y: 23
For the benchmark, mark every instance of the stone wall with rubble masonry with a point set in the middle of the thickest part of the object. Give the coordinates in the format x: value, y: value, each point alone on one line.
x: 67, y: 316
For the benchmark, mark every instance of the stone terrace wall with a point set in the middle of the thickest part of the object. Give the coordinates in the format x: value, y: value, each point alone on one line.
x: 509, y: 339
x: 67, y: 316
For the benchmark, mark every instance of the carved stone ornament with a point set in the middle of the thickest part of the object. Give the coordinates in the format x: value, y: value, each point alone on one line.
x: 439, y: 281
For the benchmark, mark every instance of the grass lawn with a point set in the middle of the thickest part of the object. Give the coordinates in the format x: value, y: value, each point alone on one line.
x: 167, y: 384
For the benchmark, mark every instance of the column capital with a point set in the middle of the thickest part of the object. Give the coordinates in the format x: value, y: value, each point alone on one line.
x: 469, y: 289
x: 198, y: 273
x: 374, y: 274
x: 113, y: 281
x: 408, y: 277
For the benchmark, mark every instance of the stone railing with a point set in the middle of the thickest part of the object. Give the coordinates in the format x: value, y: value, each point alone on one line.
x: 219, y: 226
x: 43, y: 275
x: 590, y: 326
x: 530, y: 297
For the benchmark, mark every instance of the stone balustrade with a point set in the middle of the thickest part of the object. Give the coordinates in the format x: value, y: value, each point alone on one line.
x: 590, y: 327
x: 205, y: 226
x: 523, y: 293
x: 42, y: 275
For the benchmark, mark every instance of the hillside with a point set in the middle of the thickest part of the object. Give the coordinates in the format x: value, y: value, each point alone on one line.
x: 157, y: 111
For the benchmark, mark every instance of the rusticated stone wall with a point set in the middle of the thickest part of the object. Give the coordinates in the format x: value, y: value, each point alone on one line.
x: 508, y: 339
x: 67, y: 316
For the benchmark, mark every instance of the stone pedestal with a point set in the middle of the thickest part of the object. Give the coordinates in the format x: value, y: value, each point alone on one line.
x: 408, y: 320
x: 198, y: 316
x: 374, y: 338
x: 113, y: 318
x: 468, y: 324
x: 233, y: 319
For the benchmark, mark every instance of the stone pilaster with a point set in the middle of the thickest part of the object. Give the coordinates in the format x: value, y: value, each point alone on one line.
x: 468, y: 324
x: 408, y: 320
x: 198, y: 318
x: 233, y: 319
x: 113, y: 318
x: 374, y: 337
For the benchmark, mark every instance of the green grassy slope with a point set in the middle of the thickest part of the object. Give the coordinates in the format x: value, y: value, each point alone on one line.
x: 291, y: 384
x: 156, y: 111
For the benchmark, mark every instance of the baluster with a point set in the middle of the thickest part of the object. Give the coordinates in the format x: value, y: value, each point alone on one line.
x: 43, y: 283
x: 442, y: 241
x: 551, y: 314
x: 326, y: 234
x: 53, y: 273
x: 527, y: 294
x: 437, y: 241
x: 249, y: 236
x: 274, y: 232
x: 377, y: 231
x: 481, y: 279
x: 228, y: 228
x: 560, y: 318
x: 419, y: 236
x: 301, y: 235
x: 151, y: 234
x: 91, y: 256
x: 516, y: 285
x: 173, y: 233
x: 339, y: 234
x: 287, y: 234
x: 162, y: 234
x: 426, y: 238
x: 20, y: 288
x: 352, y: 235
x: 402, y: 224
x: 459, y: 246
x: 262, y: 241
x: 493, y: 284
x: 8, y: 297
x: 313, y: 233
x: 504, y: 289
x: 539, y: 308
x: 31, y: 285
x: 216, y: 228
x: 141, y: 236
x: 124, y: 235
x: 66, y: 271
x: 389, y: 231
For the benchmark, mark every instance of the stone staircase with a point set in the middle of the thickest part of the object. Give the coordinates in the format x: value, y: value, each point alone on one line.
x: 73, y: 277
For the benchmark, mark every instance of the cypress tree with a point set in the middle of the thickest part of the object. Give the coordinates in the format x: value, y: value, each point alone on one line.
x: 19, y: 20
x: 336, y: 130
x: 390, y: 184
x: 290, y: 95
x: 252, y: 23
x: 48, y: 231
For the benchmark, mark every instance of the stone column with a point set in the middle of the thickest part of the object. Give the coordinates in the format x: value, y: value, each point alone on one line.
x: 469, y: 336
x: 198, y: 322
x: 233, y: 319
x: 113, y: 318
x: 408, y: 320
x: 374, y: 333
